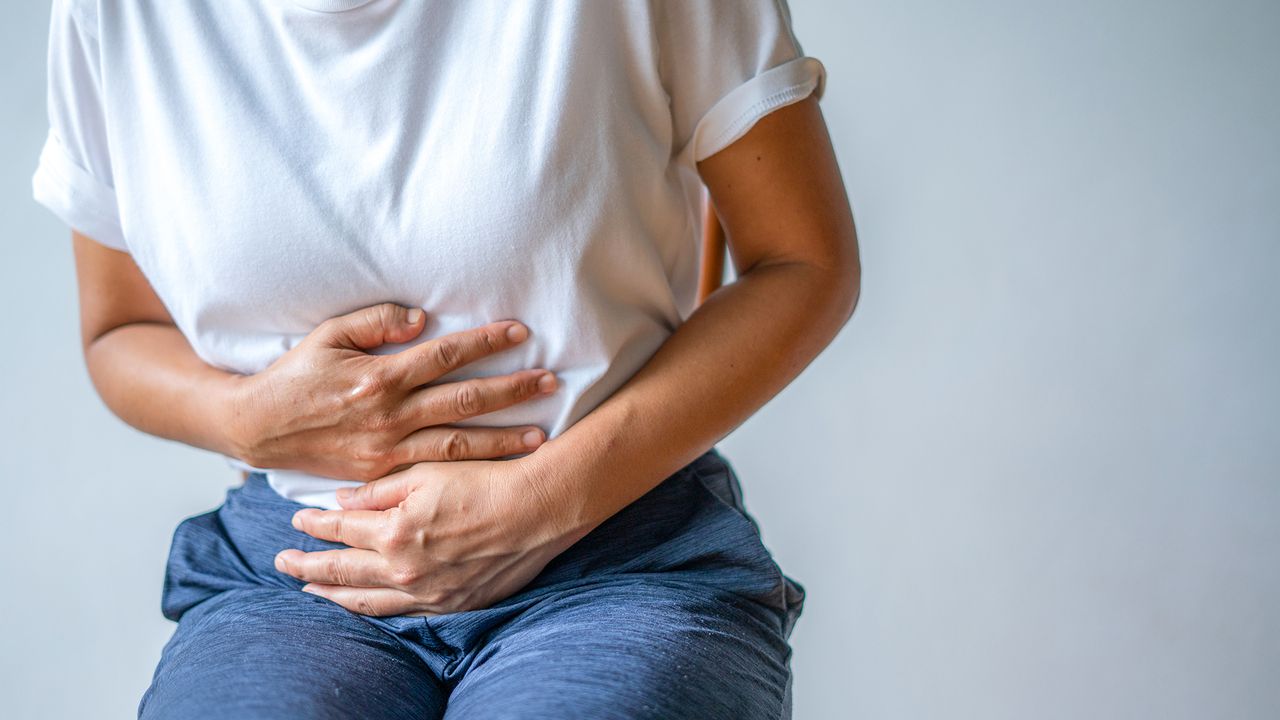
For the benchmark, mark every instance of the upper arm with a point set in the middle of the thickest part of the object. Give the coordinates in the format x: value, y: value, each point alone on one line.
x: 113, y: 291
x: 780, y: 197
x: 743, y: 97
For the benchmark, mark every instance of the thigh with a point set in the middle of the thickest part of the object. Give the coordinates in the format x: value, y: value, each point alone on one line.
x: 280, y: 653
x: 640, y: 647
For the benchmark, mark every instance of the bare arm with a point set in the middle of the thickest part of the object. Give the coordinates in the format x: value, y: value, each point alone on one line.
x: 780, y: 196
x: 326, y: 406
x: 139, y: 362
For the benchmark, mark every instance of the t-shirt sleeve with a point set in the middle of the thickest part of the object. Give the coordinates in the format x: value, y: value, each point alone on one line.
x: 727, y: 63
x: 73, y: 175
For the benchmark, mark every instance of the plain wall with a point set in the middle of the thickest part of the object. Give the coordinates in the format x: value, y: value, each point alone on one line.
x: 1038, y: 475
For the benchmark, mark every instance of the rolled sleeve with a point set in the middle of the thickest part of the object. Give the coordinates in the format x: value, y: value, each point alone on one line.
x: 83, y: 202
x: 725, y: 65
x: 74, y: 177
x: 734, y: 114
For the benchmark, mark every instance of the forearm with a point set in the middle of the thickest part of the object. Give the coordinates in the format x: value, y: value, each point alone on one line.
x: 149, y: 376
x: 733, y: 354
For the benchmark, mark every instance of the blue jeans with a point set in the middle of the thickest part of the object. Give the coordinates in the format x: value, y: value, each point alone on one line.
x: 672, y: 608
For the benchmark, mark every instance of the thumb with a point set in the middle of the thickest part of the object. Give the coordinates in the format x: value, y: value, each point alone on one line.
x: 372, y: 326
x: 381, y: 494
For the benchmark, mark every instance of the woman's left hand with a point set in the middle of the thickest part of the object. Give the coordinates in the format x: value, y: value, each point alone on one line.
x: 435, y: 538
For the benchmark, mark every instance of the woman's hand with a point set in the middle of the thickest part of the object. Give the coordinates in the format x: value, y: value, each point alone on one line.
x: 434, y: 538
x: 329, y: 407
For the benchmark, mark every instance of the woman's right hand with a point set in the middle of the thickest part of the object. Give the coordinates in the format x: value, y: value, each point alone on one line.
x: 330, y: 408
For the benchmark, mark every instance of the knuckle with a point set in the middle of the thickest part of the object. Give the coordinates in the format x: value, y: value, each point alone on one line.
x: 405, y: 575
x: 388, y: 313
x: 363, y: 605
x: 383, y: 315
x: 454, y: 446
x: 393, y: 542
x: 467, y: 400
x: 446, y: 355
x: 371, y: 383
x: 335, y: 569
x: 366, y: 472
x: 366, y: 452
x: 397, y: 535
x: 402, y: 533
x: 368, y: 462
x: 395, y: 455
x: 490, y: 342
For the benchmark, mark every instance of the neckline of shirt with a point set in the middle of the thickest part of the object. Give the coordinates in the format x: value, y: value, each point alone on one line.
x: 331, y: 6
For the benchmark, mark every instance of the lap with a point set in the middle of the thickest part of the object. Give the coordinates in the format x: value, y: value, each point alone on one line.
x: 641, y: 648
x: 671, y: 608
x: 276, y: 652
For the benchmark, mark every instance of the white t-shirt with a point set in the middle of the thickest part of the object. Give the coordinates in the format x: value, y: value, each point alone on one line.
x: 272, y: 163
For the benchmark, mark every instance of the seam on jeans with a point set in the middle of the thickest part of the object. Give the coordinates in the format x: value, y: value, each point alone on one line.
x: 785, y: 706
x: 788, y: 613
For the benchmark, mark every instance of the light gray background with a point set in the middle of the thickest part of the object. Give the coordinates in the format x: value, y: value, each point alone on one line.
x: 1038, y: 475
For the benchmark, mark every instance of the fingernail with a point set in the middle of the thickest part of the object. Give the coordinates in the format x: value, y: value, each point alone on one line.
x: 279, y: 563
x: 532, y: 438
x: 345, y: 493
x: 547, y: 383
x: 297, y: 520
x: 413, y: 316
x: 308, y: 588
x: 517, y: 332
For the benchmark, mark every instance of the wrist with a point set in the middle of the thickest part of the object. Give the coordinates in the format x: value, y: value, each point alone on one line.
x: 562, y: 508
x: 235, y: 402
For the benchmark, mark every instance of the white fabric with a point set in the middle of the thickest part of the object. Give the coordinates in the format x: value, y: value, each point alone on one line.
x: 273, y: 163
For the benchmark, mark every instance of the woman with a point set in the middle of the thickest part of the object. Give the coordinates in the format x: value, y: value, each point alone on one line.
x: 427, y: 272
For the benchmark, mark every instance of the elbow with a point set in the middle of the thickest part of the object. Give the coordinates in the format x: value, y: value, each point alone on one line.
x: 851, y: 289
x: 845, y: 268
x: 843, y: 289
x: 835, y: 287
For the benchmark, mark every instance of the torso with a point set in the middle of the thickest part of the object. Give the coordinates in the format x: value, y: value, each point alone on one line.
x: 276, y: 167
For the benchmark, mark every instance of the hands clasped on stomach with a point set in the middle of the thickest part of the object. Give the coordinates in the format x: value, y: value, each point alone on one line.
x: 330, y: 408
x: 426, y: 537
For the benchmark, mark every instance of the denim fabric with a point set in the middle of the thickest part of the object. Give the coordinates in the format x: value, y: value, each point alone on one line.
x: 672, y: 608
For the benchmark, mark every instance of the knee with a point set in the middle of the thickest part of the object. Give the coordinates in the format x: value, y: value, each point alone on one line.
x: 283, y: 653
x: 641, y: 657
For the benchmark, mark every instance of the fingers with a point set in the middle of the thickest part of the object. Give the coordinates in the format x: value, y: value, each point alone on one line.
x: 357, y: 528
x: 440, y: 404
x: 381, y: 494
x: 447, y: 443
x: 433, y: 358
x: 378, y: 602
x: 372, y: 326
x: 365, y: 568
